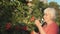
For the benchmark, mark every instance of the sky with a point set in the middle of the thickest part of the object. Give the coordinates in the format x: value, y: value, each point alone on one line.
x: 58, y: 1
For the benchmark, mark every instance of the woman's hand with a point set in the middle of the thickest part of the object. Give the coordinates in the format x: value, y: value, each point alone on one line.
x: 37, y: 23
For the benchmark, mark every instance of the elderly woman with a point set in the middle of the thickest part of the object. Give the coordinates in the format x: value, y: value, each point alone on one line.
x: 51, y: 27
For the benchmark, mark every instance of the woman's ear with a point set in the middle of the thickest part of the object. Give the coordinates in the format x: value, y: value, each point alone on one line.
x: 51, y: 17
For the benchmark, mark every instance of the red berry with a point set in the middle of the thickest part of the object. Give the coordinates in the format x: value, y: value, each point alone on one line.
x: 8, y: 25
x: 24, y: 28
x: 32, y: 18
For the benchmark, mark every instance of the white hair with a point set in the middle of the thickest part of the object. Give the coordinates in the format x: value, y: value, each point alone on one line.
x: 52, y: 11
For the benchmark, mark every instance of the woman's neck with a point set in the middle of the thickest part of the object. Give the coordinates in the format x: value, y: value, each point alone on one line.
x: 50, y: 22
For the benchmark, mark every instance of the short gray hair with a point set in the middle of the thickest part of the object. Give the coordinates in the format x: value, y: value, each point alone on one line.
x: 52, y: 11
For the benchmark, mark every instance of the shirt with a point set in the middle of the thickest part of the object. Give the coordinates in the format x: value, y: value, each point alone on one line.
x: 52, y: 29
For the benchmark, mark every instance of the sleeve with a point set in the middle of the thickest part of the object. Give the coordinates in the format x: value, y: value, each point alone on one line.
x: 53, y: 30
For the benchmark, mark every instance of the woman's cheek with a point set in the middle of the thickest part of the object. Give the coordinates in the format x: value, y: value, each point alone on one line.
x: 45, y: 18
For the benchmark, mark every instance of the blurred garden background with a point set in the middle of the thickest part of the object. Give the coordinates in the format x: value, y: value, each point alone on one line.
x: 13, y: 14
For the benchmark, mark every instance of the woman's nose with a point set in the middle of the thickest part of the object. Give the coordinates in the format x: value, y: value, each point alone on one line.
x: 44, y: 16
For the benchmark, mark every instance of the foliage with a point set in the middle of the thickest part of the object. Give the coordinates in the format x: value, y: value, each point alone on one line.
x: 15, y: 13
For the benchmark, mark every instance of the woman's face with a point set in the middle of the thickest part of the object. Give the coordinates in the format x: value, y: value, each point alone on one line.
x: 47, y: 16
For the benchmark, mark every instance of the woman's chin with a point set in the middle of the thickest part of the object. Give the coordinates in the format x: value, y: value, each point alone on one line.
x: 46, y: 21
